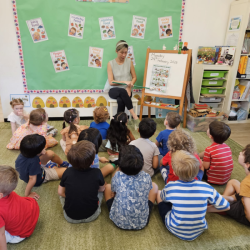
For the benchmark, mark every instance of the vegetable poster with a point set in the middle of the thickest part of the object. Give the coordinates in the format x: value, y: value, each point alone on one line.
x: 131, y: 54
x: 37, y: 30
x: 159, y: 78
x: 95, y: 57
x: 138, y: 27
x: 165, y: 27
x: 107, y: 28
x: 59, y: 61
x: 76, y: 26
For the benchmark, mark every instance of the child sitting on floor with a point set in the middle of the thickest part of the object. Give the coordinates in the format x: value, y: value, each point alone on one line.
x: 118, y: 135
x: 178, y: 140
x: 81, y: 188
x: 18, y: 116
x: 37, y: 124
x: 171, y: 122
x: 34, y: 163
x: 93, y: 135
x: 238, y: 194
x: 149, y: 150
x: 182, y: 204
x: 70, y: 134
x: 131, y: 196
x: 18, y: 215
x: 217, y: 158
x: 101, y: 115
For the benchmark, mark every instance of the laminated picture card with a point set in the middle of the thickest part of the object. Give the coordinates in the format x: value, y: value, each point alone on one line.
x: 95, y: 57
x: 37, y: 30
x: 165, y: 27
x: 107, y: 28
x: 138, y: 27
x: 76, y: 26
x: 131, y: 55
x: 59, y: 61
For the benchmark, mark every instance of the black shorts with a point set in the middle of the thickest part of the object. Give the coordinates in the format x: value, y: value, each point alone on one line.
x: 237, y: 211
x: 150, y: 206
x: 164, y: 208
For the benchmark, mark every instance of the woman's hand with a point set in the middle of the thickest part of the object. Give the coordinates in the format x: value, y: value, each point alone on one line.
x: 129, y: 83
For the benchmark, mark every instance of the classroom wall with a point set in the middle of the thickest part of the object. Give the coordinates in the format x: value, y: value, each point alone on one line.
x: 205, y: 25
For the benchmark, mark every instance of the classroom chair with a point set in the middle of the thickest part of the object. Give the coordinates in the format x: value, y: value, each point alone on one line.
x: 113, y: 103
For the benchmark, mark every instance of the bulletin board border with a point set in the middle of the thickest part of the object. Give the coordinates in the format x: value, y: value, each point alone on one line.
x: 61, y: 91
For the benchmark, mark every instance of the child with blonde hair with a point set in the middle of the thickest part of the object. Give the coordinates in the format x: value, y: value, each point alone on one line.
x: 37, y: 124
x: 101, y: 115
x: 71, y: 133
x: 18, y: 116
x: 183, y: 203
x: 178, y: 140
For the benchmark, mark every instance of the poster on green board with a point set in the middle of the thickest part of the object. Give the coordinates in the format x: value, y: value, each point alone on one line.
x: 40, y: 73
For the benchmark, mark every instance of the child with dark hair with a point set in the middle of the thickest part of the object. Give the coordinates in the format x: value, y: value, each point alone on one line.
x: 101, y: 115
x: 183, y: 203
x: 131, y: 196
x: 171, y: 122
x: 93, y: 135
x: 149, y: 150
x: 118, y: 135
x: 217, y: 158
x: 35, y: 165
x: 81, y: 188
x: 37, y: 124
x: 70, y: 134
x: 18, y: 215
x: 238, y: 193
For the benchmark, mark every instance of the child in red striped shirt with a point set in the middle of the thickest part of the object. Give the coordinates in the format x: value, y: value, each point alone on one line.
x: 217, y: 158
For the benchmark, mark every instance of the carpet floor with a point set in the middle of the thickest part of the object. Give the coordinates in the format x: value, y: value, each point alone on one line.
x: 54, y: 232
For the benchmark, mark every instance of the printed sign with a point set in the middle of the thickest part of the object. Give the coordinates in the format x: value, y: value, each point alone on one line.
x: 95, y: 57
x: 37, y: 30
x: 165, y: 27
x: 107, y: 28
x: 59, y: 61
x: 76, y: 26
x: 25, y: 98
x: 131, y: 54
x: 138, y: 27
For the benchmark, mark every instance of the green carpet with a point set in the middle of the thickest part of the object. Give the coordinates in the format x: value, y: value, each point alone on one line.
x: 53, y: 232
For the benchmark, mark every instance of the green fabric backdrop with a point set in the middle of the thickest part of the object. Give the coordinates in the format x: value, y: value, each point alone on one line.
x: 40, y: 73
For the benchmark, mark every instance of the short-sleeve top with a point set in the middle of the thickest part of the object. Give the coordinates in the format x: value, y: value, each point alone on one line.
x: 18, y: 120
x: 121, y: 72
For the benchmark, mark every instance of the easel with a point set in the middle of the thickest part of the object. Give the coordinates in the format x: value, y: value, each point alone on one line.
x: 183, y: 98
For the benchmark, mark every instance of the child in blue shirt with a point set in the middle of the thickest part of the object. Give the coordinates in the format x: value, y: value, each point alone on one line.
x: 93, y: 135
x: 183, y: 204
x: 101, y: 115
x: 171, y: 121
x: 131, y: 195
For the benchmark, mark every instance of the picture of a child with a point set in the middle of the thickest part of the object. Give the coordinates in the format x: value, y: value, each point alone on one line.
x: 98, y: 63
x: 36, y: 36
x: 72, y: 31
x: 111, y: 33
x: 169, y: 32
x: 135, y: 32
x: 64, y: 65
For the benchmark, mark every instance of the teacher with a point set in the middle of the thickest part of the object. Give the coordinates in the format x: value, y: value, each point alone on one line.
x: 121, y: 69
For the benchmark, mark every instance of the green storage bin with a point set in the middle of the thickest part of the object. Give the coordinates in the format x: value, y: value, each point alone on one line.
x: 212, y: 83
x: 212, y: 90
x: 216, y: 74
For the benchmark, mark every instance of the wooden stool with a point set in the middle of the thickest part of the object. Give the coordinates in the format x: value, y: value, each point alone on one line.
x: 113, y: 103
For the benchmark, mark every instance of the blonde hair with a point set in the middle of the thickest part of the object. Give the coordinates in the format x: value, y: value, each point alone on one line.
x: 180, y: 140
x: 100, y: 114
x: 15, y: 102
x: 121, y: 44
x: 37, y: 117
x: 185, y: 165
x: 8, y: 179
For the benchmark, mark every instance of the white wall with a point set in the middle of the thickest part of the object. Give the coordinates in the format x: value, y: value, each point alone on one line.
x: 205, y: 25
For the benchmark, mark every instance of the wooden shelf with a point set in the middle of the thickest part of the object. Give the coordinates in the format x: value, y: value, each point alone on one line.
x: 240, y: 100
x: 159, y: 107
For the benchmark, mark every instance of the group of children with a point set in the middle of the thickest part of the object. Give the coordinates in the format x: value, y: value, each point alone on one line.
x: 130, y: 197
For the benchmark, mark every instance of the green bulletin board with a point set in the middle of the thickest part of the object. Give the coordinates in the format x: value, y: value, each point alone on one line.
x: 39, y: 71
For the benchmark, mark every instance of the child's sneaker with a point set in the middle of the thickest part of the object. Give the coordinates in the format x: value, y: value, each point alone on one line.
x: 51, y: 164
x: 49, y: 127
x: 52, y: 132
x: 164, y: 172
x: 65, y: 164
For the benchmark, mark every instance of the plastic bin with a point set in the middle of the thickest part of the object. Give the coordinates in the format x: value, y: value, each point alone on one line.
x: 212, y: 90
x: 210, y: 99
x: 212, y: 83
x: 200, y: 124
x: 216, y: 74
